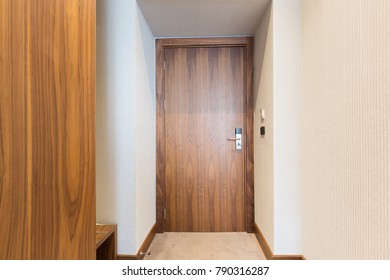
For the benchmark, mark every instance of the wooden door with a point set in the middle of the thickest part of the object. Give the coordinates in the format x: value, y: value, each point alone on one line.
x: 204, y: 173
x: 47, y: 129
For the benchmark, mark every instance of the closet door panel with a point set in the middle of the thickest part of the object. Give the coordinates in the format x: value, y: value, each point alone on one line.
x: 52, y: 114
x: 14, y: 144
x: 63, y: 128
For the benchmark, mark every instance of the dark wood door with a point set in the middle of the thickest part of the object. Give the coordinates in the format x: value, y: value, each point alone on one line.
x: 204, y: 173
x: 47, y: 129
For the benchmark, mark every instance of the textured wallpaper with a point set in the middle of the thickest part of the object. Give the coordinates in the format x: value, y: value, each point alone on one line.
x: 125, y: 150
x: 346, y: 129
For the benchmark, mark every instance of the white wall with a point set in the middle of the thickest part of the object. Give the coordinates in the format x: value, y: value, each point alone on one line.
x: 341, y: 157
x: 264, y: 150
x: 146, y: 130
x: 330, y: 134
x: 287, y: 88
x: 278, y: 87
x: 125, y: 122
x: 346, y: 129
x: 115, y: 154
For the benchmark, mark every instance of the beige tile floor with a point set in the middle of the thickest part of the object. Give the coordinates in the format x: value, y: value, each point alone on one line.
x: 205, y: 246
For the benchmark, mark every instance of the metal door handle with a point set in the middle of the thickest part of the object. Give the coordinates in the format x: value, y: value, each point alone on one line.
x: 238, y: 138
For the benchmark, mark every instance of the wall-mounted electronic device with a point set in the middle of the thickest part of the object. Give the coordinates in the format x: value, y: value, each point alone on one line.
x: 262, y: 115
x: 262, y: 130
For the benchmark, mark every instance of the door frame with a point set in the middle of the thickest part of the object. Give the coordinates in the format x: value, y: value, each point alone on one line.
x: 161, y: 45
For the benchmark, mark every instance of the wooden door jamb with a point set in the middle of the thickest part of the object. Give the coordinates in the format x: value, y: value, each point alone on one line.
x: 161, y: 45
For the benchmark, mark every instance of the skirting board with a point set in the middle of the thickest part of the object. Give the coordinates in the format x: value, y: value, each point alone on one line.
x: 144, y: 247
x: 126, y: 257
x: 267, y: 249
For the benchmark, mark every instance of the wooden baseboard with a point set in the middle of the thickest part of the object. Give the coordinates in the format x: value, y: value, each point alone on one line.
x: 288, y: 258
x: 144, y: 247
x: 263, y: 243
x: 267, y: 249
x: 146, y: 244
x: 126, y: 257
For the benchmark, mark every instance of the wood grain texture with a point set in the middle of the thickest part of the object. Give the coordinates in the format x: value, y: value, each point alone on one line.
x: 122, y: 257
x: 47, y: 129
x: 106, y: 242
x: 247, y: 44
x: 14, y: 144
x: 249, y: 155
x: 198, y: 42
x: 103, y: 232
x: 160, y: 141
x: 204, y: 174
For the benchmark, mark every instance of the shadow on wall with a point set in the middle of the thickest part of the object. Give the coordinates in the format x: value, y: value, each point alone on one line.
x: 104, y: 129
x: 260, y: 43
x: 149, y: 60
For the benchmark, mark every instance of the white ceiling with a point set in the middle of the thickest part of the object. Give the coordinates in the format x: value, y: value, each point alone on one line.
x: 185, y: 18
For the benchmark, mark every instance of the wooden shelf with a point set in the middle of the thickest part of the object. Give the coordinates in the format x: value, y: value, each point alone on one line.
x: 106, y: 242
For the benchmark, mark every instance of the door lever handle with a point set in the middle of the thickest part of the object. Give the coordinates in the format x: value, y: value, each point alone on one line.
x: 238, y: 138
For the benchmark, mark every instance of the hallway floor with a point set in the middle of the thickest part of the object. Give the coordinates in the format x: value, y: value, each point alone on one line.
x: 205, y: 246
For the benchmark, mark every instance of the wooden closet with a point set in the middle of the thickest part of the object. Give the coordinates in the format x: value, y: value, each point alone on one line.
x: 47, y: 129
